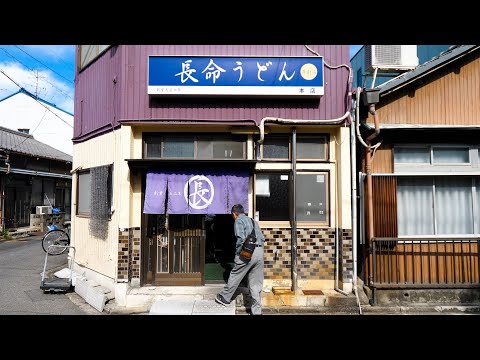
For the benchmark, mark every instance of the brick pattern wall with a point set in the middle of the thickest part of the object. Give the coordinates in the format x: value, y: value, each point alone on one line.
x: 315, y: 261
x: 277, y: 252
x: 135, y: 253
x: 316, y: 253
x: 128, y: 254
x: 346, y: 275
x: 123, y: 254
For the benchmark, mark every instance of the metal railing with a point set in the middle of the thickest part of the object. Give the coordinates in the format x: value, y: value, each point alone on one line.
x: 425, y: 263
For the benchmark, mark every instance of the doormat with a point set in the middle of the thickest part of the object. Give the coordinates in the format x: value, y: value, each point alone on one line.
x: 312, y: 292
x: 214, y: 272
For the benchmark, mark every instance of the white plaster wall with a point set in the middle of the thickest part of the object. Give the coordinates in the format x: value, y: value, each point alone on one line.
x: 23, y: 112
x: 100, y: 255
x: 344, y: 177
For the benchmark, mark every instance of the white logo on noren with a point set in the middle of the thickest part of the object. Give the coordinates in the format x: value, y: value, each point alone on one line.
x: 201, y: 192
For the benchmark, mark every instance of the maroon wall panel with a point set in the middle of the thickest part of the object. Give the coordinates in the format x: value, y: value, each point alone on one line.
x: 105, y: 103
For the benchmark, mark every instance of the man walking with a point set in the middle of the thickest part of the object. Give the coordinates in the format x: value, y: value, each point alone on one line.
x: 254, y: 268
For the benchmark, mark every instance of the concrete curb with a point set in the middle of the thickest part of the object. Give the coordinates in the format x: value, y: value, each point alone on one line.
x: 371, y: 310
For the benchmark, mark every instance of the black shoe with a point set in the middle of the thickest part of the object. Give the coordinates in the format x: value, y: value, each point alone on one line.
x: 219, y: 299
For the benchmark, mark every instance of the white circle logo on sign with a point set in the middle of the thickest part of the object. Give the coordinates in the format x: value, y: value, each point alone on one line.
x: 309, y: 71
x: 201, y: 194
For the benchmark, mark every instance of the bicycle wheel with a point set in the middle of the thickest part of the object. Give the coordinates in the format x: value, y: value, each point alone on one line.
x: 55, y: 237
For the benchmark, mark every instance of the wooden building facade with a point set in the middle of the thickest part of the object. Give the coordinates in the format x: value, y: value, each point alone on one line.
x: 425, y: 177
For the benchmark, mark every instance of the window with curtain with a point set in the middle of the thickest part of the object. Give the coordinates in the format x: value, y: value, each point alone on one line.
x: 437, y: 205
x: 432, y: 155
x: 450, y: 155
x: 412, y: 155
x: 442, y: 204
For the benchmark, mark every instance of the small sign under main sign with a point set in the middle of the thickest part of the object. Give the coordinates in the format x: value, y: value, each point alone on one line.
x: 246, y: 76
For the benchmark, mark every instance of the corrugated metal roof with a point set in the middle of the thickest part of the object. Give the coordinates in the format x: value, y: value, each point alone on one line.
x: 18, y: 142
x: 436, y: 62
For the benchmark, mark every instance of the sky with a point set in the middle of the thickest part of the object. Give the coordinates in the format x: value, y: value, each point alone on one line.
x: 354, y: 49
x: 46, y: 71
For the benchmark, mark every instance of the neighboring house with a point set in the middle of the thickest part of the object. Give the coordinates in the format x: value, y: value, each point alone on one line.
x: 424, y: 54
x: 159, y: 162
x: 423, y: 242
x: 25, y: 112
x: 31, y: 171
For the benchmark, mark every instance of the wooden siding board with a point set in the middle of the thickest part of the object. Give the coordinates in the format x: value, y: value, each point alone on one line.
x: 468, y: 88
x: 447, y: 97
x: 442, y: 107
x: 456, y: 263
x: 476, y: 86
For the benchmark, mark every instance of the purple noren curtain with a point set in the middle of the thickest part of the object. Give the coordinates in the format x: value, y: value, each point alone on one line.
x: 155, y: 193
x: 195, y: 192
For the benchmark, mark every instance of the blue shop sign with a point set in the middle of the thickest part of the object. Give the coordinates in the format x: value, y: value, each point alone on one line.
x: 228, y: 75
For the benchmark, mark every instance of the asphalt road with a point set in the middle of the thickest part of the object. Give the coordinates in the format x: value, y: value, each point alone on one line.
x: 21, y: 266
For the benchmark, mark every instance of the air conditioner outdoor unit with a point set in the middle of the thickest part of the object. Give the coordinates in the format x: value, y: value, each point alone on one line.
x: 43, y: 210
x: 390, y: 57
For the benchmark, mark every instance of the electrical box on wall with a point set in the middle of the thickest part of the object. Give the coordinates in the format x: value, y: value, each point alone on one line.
x: 390, y: 57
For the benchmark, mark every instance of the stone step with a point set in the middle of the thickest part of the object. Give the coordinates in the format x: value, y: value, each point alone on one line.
x: 341, y: 301
x: 147, y: 296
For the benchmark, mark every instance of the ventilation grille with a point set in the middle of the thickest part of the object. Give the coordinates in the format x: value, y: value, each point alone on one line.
x: 390, y: 57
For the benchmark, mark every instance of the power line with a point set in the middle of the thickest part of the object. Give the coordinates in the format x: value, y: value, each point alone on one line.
x: 43, y: 64
x: 27, y: 137
x: 14, y: 58
x: 46, y: 107
x: 60, y: 59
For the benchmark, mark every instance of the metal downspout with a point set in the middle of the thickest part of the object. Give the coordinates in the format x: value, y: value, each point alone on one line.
x: 353, y: 159
x: 371, y: 110
x: 368, y: 165
x: 2, y: 202
x: 337, y: 232
x: 294, y: 211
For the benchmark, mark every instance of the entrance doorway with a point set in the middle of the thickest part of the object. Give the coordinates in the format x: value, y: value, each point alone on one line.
x: 219, y: 247
x: 187, y: 249
x: 17, y: 206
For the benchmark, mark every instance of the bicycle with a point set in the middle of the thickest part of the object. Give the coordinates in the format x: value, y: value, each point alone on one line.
x: 58, y: 237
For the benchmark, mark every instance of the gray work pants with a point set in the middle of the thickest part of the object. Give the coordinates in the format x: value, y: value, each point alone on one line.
x: 254, y: 269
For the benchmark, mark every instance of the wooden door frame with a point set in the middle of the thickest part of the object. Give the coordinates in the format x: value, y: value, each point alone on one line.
x: 171, y: 278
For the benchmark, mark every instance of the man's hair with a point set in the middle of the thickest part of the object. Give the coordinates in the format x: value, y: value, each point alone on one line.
x: 237, y: 209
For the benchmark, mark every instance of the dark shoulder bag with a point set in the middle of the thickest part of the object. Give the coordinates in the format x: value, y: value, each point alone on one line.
x: 249, y: 245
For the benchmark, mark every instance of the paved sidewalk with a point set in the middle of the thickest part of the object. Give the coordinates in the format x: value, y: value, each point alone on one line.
x: 209, y: 307
x: 190, y: 307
